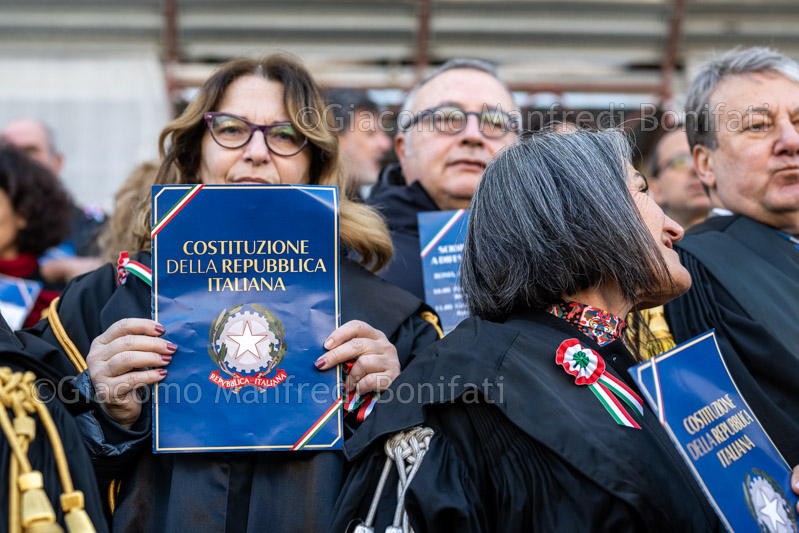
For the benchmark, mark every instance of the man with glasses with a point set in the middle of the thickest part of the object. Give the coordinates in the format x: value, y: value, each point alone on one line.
x: 451, y: 123
x: 673, y: 180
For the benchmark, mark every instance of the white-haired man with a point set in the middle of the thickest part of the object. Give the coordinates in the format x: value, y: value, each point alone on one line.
x: 742, y: 121
x: 452, y: 122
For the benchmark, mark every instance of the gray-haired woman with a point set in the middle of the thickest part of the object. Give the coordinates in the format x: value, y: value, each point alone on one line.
x: 562, y: 242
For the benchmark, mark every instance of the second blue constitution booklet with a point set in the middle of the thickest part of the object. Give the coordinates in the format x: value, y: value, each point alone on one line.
x: 742, y: 473
x: 246, y: 283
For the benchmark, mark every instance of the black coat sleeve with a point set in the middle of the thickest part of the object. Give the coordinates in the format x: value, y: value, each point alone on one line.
x: 753, y: 356
x: 413, y: 335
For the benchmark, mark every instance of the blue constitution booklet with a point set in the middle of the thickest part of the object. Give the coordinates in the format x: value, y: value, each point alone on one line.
x: 246, y: 283
x: 441, y: 235
x: 743, y: 475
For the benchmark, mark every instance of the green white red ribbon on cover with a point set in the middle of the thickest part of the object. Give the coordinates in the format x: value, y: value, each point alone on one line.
x: 319, y: 424
x: 351, y: 402
x: 175, y: 209
x: 588, y: 367
x: 443, y: 231
x: 125, y: 266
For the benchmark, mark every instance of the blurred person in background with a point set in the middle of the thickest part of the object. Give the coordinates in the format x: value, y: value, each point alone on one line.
x: 673, y: 180
x: 361, y: 139
x: 77, y: 254
x: 34, y: 215
x: 558, y: 118
x: 115, y: 236
x: 451, y: 123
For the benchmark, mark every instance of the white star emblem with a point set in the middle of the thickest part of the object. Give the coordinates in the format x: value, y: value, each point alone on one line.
x: 247, y: 342
x: 770, y: 510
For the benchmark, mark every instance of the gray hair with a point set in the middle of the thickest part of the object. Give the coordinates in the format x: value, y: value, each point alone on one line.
x: 699, y: 120
x: 552, y: 216
x: 406, y: 112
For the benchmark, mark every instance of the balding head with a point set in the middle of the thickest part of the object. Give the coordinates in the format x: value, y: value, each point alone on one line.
x: 36, y: 139
x: 449, y: 164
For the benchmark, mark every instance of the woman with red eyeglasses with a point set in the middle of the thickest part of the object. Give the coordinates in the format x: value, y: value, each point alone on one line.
x: 253, y: 122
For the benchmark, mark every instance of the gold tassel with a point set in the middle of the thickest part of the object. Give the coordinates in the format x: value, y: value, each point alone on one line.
x: 75, y: 517
x: 13, y: 496
x: 29, y: 509
x: 37, y: 512
x: 25, y: 428
x: 44, y: 527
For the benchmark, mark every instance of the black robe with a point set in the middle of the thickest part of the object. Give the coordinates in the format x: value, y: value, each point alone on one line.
x: 40, y: 451
x: 285, y: 491
x: 746, y: 286
x: 84, y: 230
x: 399, y: 205
x: 518, y: 446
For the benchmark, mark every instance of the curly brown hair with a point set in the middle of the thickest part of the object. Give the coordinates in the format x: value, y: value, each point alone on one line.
x: 38, y: 197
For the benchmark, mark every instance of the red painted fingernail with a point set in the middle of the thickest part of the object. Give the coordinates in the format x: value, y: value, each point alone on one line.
x: 319, y: 363
x: 159, y: 328
x: 162, y: 371
x: 171, y: 346
x: 166, y: 358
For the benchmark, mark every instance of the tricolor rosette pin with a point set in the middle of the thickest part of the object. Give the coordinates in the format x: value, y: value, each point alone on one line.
x: 588, y: 367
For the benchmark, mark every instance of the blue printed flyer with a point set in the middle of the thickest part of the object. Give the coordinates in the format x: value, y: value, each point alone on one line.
x: 441, y: 235
x: 17, y: 298
x: 246, y: 283
x: 743, y: 475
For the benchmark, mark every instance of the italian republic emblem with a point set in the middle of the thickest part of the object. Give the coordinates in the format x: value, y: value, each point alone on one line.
x: 247, y: 345
x: 767, y: 504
